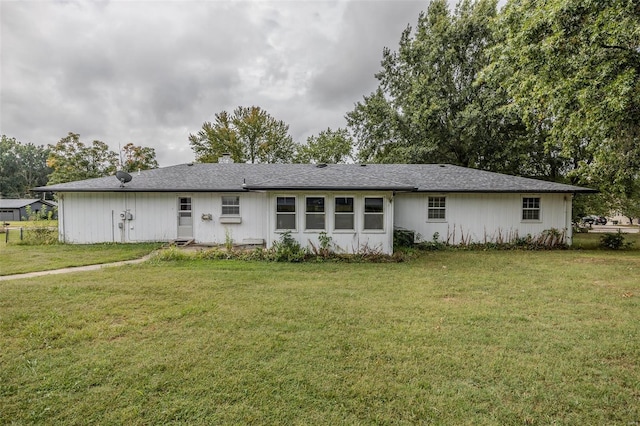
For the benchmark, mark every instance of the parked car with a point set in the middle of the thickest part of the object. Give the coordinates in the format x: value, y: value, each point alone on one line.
x: 594, y: 220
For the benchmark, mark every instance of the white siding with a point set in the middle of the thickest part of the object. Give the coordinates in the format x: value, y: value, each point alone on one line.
x: 251, y: 223
x: 95, y: 217
x: 482, y: 218
x: 87, y: 218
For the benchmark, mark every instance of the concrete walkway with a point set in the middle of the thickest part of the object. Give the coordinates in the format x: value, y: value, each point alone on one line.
x: 73, y: 269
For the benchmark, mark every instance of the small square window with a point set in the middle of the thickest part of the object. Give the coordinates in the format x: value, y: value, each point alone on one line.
x: 185, y: 203
x: 437, y: 208
x: 531, y: 208
x: 231, y: 206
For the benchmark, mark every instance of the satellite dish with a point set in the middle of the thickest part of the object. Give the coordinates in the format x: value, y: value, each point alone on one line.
x: 123, y: 177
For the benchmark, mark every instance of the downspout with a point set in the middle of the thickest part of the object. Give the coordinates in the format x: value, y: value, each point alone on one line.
x: 391, y: 220
x: 567, y: 218
x: 61, y: 214
x: 125, y: 225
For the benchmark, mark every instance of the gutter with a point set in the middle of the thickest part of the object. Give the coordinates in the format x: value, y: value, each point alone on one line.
x: 331, y: 188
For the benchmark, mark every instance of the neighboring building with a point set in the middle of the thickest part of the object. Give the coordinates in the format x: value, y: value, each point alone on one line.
x: 15, y: 209
x: 357, y: 205
x: 618, y: 218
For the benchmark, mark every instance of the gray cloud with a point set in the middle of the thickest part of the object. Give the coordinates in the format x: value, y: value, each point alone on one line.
x: 152, y: 72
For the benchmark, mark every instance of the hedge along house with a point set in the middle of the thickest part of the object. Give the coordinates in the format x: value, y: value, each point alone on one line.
x: 357, y: 205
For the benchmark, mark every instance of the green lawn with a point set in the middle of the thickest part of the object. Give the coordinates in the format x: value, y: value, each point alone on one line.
x: 454, y: 337
x: 591, y: 240
x: 17, y: 259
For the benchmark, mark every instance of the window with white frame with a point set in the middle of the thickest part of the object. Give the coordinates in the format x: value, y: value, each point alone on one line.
x: 285, y: 212
x: 314, y: 213
x: 530, y: 208
x: 344, y: 213
x: 373, y: 213
x: 230, y: 205
x: 437, y: 208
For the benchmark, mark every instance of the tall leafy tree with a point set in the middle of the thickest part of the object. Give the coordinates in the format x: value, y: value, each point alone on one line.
x: 73, y: 160
x: 22, y: 167
x: 135, y: 158
x: 329, y: 147
x: 250, y: 135
x: 431, y: 106
x: 572, y: 68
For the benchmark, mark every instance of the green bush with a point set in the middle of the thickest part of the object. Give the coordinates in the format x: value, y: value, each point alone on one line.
x: 39, y: 235
x: 171, y: 254
x: 288, y: 249
x: 403, y: 238
x: 434, y: 244
x: 613, y: 241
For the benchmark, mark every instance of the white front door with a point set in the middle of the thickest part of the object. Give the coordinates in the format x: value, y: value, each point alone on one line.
x: 185, y: 218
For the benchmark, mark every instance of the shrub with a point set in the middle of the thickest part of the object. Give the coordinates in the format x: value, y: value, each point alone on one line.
x: 171, y: 254
x: 403, y: 238
x: 434, y: 244
x: 324, y: 249
x: 39, y: 235
x: 614, y: 241
x: 44, y: 214
x: 288, y: 249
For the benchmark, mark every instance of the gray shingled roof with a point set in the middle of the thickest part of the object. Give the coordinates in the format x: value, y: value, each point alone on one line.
x: 214, y: 177
x: 18, y: 203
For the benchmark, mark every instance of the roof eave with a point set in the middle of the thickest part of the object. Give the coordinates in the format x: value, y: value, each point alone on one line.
x: 330, y: 188
x: 139, y: 190
x: 511, y: 191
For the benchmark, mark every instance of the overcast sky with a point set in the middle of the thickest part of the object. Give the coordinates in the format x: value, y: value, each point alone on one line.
x: 151, y: 72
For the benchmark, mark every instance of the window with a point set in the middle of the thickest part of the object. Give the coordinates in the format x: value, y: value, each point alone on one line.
x: 314, y: 212
x: 184, y: 215
x: 531, y: 208
x: 286, y: 213
x: 437, y: 208
x: 185, y: 204
x: 373, y: 213
x: 231, y: 205
x: 344, y: 213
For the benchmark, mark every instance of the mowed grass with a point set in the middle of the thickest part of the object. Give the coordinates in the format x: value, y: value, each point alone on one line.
x: 591, y: 240
x: 452, y: 337
x: 18, y: 259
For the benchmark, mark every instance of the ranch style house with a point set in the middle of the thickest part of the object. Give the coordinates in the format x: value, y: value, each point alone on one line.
x: 357, y: 205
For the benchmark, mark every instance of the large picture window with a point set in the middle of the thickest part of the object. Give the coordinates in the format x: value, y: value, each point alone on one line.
x: 373, y: 213
x: 231, y: 205
x: 531, y: 208
x: 437, y: 208
x: 344, y: 213
x: 314, y: 213
x: 286, y: 213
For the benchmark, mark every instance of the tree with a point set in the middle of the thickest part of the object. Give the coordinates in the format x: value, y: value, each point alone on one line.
x: 249, y: 135
x: 72, y: 160
x: 329, y: 147
x: 430, y: 105
x: 573, y: 67
x: 22, y: 167
x: 135, y: 158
